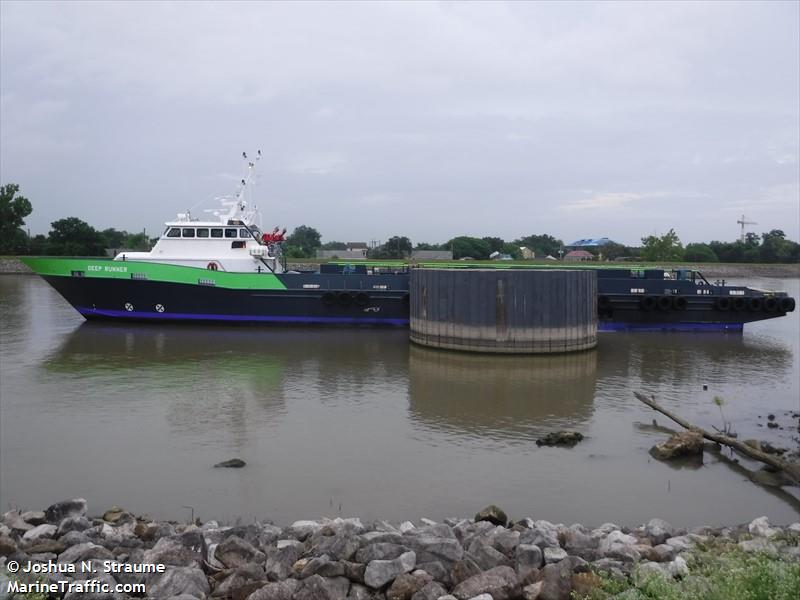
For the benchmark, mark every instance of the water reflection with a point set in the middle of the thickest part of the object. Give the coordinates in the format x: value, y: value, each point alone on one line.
x: 511, y: 397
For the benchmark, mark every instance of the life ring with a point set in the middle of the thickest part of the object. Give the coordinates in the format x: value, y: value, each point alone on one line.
x: 362, y: 299
x: 664, y: 303
x: 212, y: 266
x: 771, y: 304
x: 787, y: 304
x: 344, y: 298
x: 755, y: 304
x: 723, y: 303
x: 329, y: 298
x: 739, y: 304
x: 679, y: 303
x: 648, y: 302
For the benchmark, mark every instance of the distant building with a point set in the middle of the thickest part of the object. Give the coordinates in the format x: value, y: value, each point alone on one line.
x: 550, y: 257
x: 527, y: 253
x: 343, y: 254
x: 432, y: 255
x: 500, y: 256
x: 578, y: 255
x: 590, y: 243
x: 354, y: 246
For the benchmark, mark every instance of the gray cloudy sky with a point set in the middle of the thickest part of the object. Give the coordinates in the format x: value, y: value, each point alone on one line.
x: 426, y: 119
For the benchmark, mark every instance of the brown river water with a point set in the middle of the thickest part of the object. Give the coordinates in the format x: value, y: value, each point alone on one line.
x: 358, y: 422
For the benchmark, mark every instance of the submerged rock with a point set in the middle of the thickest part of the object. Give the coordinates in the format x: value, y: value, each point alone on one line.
x: 493, y: 514
x: 685, y: 443
x: 233, y: 463
x: 560, y: 438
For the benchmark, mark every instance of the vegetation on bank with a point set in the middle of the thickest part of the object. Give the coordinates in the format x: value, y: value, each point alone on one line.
x: 719, y: 571
x: 73, y: 237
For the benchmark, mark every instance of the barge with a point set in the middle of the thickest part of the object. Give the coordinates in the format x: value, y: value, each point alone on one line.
x: 224, y: 269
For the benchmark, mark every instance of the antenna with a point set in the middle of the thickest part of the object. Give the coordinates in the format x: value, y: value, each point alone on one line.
x: 743, y: 221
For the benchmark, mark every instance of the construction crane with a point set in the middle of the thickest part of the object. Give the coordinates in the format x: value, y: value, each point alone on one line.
x: 743, y: 221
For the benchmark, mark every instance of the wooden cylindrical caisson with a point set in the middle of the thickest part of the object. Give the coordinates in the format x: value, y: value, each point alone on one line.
x: 504, y: 311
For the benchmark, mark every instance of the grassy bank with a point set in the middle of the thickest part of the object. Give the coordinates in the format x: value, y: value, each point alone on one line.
x: 721, y: 570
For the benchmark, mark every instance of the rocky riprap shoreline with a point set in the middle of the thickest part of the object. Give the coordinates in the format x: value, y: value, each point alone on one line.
x: 484, y: 558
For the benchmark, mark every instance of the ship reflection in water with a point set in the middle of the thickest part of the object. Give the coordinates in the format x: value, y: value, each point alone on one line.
x: 510, y: 398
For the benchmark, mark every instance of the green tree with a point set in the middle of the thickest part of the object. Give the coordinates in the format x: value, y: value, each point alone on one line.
x: 334, y: 246
x: 115, y: 239
x: 137, y: 241
x: 667, y: 247
x: 700, y: 253
x: 613, y: 250
x: 495, y: 244
x: 395, y: 247
x: 13, y: 210
x: 426, y: 246
x: 465, y: 246
x: 542, y: 245
x: 73, y: 237
x: 776, y: 248
x: 303, y: 242
x: 512, y: 250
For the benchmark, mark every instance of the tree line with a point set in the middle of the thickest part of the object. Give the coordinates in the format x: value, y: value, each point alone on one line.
x: 73, y: 237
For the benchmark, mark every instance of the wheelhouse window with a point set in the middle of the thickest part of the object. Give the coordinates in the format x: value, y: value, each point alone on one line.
x: 174, y: 232
x: 216, y: 232
x: 202, y: 232
x: 230, y: 233
x: 243, y: 233
x: 188, y: 232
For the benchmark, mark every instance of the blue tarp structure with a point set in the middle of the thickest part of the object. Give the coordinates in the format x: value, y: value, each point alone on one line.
x: 590, y: 242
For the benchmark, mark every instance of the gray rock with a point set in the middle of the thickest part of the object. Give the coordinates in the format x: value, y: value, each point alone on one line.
x: 463, y: 570
x: 662, y: 553
x: 321, y: 588
x: 280, y: 560
x: 7, y: 545
x: 382, y: 551
x: 529, y: 558
x: 300, y: 530
x: 81, y: 552
x: 493, y: 514
x: 34, y: 517
x: 532, y: 591
x: 430, y: 591
x: 321, y: 565
x: 169, y: 551
x: 758, y: 528
x: 381, y: 572
x: 233, y: 463
x: 283, y: 590
x: 73, y: 524
x: 503, y: 540
x: 430, y: 547
x: 380, y: 537
x: 14, y: 521
x: 178, y: 580
x: 760, y: 544
x: 234, y: 553
x: 556, y: 581
x: 406, y: 585
x: 73, y: 538
x: 361, y: 592
x: 338, y: 547
x: 501, y: 583
x: 238, y: 581
x: 487, y: 557
x: 59, y: 511
x: 659, y: 531
x: 350, y: 526
x: 681, y: 543
x: 437, y: 570
x: 554, y: 555
x: 541, y: 533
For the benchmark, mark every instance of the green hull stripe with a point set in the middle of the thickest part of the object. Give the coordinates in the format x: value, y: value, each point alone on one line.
x: 132, y: 269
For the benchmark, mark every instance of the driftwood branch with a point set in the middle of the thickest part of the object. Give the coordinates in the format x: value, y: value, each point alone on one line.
x: 790, y: 469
